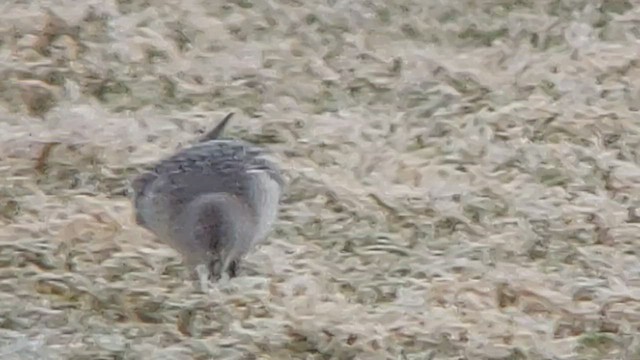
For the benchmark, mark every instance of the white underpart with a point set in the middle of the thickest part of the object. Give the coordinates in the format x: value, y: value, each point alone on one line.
x: 265, y: 196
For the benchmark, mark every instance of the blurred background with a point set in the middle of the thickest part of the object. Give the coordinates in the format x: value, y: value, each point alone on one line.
x: 463, y: 177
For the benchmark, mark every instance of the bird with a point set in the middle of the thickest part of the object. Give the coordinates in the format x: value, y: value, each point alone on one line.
x: 213, y: 201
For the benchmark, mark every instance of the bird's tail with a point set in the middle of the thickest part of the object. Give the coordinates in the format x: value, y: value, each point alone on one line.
x: 217, y: 131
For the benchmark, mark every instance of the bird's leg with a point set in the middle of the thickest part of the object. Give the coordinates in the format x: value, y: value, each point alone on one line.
x: 217, y: 269
x: 232, y: 270
x: 214, y: 269
x: 202, y: 275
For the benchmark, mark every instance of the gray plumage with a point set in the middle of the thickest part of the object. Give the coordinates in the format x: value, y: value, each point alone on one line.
x: 212, y: 201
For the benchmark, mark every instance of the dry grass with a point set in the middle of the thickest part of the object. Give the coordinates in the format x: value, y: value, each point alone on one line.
x: 463, y: 177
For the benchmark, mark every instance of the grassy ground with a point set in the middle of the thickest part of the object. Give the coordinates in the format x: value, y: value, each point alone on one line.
x: 463, y: 177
